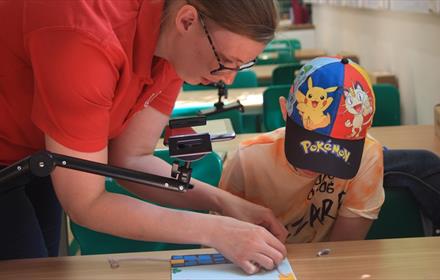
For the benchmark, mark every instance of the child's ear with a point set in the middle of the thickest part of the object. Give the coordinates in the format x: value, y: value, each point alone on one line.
x: 283, y: 108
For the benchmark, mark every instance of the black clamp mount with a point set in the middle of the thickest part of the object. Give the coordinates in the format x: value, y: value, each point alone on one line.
x: 219, y: 106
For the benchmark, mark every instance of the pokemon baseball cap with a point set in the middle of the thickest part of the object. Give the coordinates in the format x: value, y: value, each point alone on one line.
x: 330, y: 107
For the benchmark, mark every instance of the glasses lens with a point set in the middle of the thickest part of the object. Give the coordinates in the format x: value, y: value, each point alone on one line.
x: 246, y: 65
x: 222, y: 71
x: 227, y: 70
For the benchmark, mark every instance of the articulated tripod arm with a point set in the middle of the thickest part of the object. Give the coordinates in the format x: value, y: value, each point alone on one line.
x: 42, y: 163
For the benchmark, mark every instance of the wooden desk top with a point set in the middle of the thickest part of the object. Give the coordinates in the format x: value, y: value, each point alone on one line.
x: 297, y: 26
x: 393, y: 137
x: 251, y: 98
x: 264, y: 72
x: 408, y: 258
x: 307, y: 54
x: 407, y: 137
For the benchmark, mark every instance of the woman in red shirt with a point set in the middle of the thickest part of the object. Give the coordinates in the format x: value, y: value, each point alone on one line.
x: 98, y: 80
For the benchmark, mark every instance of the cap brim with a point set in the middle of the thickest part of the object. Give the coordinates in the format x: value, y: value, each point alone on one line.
x: 309, y: 150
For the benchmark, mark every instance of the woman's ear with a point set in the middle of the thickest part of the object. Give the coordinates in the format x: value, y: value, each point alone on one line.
x: 186, y: 16
x: 283, y: 108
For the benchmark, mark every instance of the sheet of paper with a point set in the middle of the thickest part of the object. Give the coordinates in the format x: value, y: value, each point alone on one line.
x: 212, y: 267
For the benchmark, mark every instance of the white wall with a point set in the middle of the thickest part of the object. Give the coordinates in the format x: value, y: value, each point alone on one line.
x: 405, y: 44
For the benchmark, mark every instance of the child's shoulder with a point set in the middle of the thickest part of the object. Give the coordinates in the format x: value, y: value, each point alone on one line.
x: 373, y: 152
x: 276, y: 136
x: 372, y: 144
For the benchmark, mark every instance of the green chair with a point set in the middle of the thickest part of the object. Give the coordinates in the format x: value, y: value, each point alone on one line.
x: 207, y: 169
x: 243, y: 79
x: 279, y: 51
x: 399, y: 217
x: 188, y: 87
x: 272, y: 117
x: 387, y: 105
x: 277, y: 45
x: 285, y: 74
x: 283, y: 44
x: 295, y: 44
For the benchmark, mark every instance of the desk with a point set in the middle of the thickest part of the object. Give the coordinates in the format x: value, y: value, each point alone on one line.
x: 251, y: 98
x: 408, y: 258
x: 393, y: 137
x: 407, y: 137
x: 264, y: 72
x: 307, y: 54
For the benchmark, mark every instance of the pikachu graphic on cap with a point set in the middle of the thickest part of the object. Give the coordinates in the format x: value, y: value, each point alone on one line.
x: 311, y: 106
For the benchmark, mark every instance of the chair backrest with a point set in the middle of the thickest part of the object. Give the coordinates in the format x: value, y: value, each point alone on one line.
x: 243, y: 79
x: 295, y: 44
x: 285, y: 74
x: 277, y: 45
x: 188, y: 87
x: 399, y: 217
x: 272, y: 117
x: 387, y: 105
x: 283, y: 44
x: 207, y: 169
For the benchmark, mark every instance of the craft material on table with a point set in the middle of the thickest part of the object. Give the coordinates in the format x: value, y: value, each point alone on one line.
x: 217, y: 267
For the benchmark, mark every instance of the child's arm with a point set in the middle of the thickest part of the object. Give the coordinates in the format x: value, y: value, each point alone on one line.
x: 350, y: 228
x: 364, y: 197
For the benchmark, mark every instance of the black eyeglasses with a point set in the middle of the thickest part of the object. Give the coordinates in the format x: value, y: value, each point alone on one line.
x: 222, y: 69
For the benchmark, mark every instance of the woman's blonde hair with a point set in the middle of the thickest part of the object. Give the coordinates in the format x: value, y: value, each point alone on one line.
x: 255, y: 19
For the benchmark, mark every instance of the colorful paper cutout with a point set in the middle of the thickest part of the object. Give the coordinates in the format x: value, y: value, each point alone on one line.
x: 217, y: 267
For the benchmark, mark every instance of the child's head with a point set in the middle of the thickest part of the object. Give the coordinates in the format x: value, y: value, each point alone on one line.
x: 329, y: 109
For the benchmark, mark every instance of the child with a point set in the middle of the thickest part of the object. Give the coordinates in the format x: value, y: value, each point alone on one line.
x: 321, y: 174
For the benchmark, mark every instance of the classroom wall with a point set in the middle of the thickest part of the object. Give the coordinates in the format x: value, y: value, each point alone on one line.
x: 405, y: 44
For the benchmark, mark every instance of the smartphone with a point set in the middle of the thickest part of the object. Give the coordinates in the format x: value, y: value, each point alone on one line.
x: 219, y: 130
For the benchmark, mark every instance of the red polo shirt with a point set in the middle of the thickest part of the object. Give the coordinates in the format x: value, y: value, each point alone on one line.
x: 77, y: 71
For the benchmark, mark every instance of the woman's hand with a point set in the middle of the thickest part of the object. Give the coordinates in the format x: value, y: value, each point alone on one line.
x: 247, y: 245
x: 244, y: 210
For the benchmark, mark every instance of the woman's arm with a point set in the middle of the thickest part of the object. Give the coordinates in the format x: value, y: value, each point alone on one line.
x: 133, y: 149
x: 85, y: 200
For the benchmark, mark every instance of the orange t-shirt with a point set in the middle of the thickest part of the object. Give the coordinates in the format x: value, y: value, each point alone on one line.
x: 308, y: 206
x: 77, y: 71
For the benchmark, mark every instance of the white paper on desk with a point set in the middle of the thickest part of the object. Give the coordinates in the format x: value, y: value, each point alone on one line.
x: 230, y: 272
